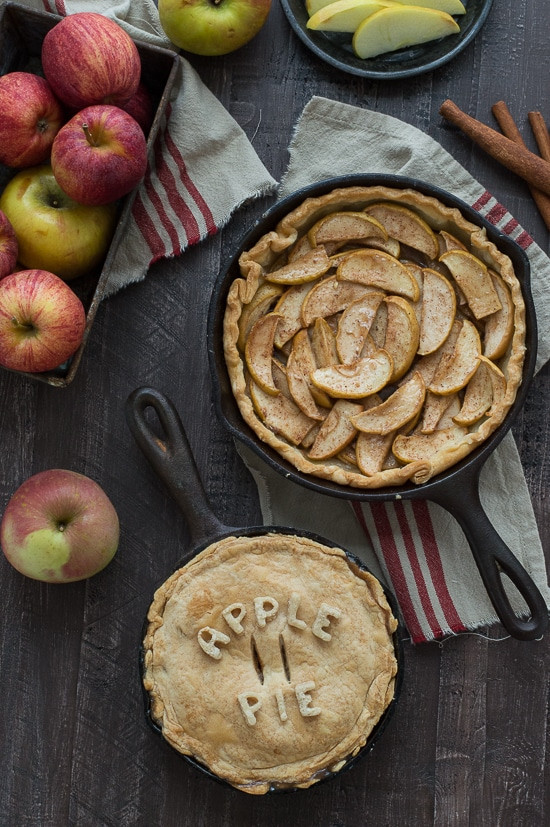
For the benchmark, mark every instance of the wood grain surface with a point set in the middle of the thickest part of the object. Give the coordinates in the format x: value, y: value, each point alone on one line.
x: 469, y: 741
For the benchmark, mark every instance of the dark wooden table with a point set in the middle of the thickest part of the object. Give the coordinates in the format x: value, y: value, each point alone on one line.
x: 468, y: 744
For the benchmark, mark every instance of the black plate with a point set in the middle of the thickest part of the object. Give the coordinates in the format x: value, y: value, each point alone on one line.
x: 335, y: 48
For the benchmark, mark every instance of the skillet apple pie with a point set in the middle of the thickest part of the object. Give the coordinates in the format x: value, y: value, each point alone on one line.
x: 270, y: 659
x: 374, y: 337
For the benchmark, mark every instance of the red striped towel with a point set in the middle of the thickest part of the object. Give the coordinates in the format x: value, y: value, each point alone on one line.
x: 416, y: 547
x: 190, y: 189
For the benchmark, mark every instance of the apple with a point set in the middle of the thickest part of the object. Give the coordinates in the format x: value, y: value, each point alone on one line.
x: 30, y: 116
x: 8, y: 246
x: 99, y: 155
x: 88, y: 58
x: 59, y: 526
x: 140, y: 107
x: 54, y: 232
x: 42, y: 321
x: 212, y: 27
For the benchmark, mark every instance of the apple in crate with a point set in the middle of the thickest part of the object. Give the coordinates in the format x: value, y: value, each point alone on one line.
x: 8, y: 246
x: 88, y: 58
x: 54, y: 232
x: 42, y: 321
x: 59, y: 526
x: 99, y: 155
x: 212, y: 27
x: 30, y: 117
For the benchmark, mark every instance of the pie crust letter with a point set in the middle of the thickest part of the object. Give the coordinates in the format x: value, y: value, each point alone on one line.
x: 322, y: 620
x: 250, y: 704
x: 208, y: 638
x: 263, y: 614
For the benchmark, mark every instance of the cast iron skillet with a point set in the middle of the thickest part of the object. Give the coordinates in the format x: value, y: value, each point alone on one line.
x: 171, y: 457
x: 492, y: 556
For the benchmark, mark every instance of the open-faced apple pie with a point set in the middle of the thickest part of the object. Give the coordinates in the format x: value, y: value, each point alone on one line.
x: 270, y: 659
x: 375, y: 336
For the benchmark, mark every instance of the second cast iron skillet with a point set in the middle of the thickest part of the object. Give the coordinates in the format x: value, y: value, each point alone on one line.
x: 456, y: 490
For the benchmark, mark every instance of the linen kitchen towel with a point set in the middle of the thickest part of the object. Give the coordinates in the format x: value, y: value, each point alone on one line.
x: 190, y: 189
x: 416, y: 547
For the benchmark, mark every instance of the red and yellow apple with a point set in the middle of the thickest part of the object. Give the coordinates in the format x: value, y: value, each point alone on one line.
x: 42, y: 321
x: 99, y: 155
x: 140, y: 107
x: 8, y: 246
x: 212, y: 27
x: 59, y: 526
x: 88, y: 58
x: 54, y: 232
x: 30, y: 116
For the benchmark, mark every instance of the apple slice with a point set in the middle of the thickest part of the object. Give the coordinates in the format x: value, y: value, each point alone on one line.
x: 299, y: 249
x: 343, y: 15
x: 371, y: 452
x: 344, y: 227
x: 402, y: 334
x: 308, y: 267
x: 323, y: 344
x: 419, y: 447
x: 435, y: 406
x: 400, y: 26
x: 365, y: 377
x: 455, y: 369
x: 486, y: 388
x: 289, y: 308
x: 337, y: 430
x: 354, y: 326
x: 328, y: 297
x: 280, y: 414
x: 403, y: 405
x: 406, y: 226
x: 258, y: 352
x: 259, y: 305
x: 499, y: 326
x: 299, y: 367
x: 375, y: 268
x: 473, y: 278
x: 438, y: 311
x: 449, y: 242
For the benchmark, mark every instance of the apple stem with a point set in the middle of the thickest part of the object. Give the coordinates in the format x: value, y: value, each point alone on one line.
x: 22, y: 325
x: 89, y: 136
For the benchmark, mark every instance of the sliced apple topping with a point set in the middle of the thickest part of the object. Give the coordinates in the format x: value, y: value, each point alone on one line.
x: 419, y: 447
x: 438, y: 311
x: 299, y: 367
x: 259, y: 350
x: 486, y: 387
x: 337, y: 431
x: 344, y: 227
x: 371, y: 452
x: 354, y: 326
x: 474, y: 279
x: 306, y: 268
x: 499, y: 326
x: 402, y: 334
x: 328, y: 297
x: 289, y: 310
x: 280, y: 414
x: 363, y: 378
x: 403, y: 405
x: 456, y: 369
x: 259, y: 305
x: 449, y: 242
x: 435, y: 407
x: 375, y: 268
x: 407, y: 227
x: 323, y: 344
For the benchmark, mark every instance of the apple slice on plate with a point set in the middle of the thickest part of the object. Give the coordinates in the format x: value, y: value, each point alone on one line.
x: 474, y: 279
x: 438, y: 311
x: 258, y: 306
x: 258, y: 352
x: 406, y: 226
x: 402, y: 335
x: 403, y: 405
x: 375, y: 268
x: 328, y: 297
x: 354, y: 325
x: 365, y: 377
x: 343, y: 15
x: 343, y: 227
x: 337, y: 430
x: 485, y: 389
x: 455, y: 369
x: 499, y: 326
x: 308, y: 267
x: 280, y: 414
x: 400, y: 26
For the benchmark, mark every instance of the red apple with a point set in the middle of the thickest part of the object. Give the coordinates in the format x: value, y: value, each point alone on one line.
x: 140, y: 107
x: 99, y: 155
x: 212, y: 27
x: 30, y: 116
x: 8, y: 246
x: 59, y: 526
x: 88, y: 58
x: 42, y: 321
x: 54, y: 232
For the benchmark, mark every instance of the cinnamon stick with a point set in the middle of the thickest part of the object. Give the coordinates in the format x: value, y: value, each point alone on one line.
x: 509, y: 128
x: 540, y: 131
x: 527, y: 165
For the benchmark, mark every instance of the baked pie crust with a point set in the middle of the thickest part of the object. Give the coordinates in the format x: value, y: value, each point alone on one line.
x: 270, y: 660
x: 317, y: 416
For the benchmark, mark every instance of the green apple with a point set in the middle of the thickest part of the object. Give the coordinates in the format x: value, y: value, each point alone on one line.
x: 343, y: 15
x: 54, y: 232
x: 212, y: 27
x: 400, y: 26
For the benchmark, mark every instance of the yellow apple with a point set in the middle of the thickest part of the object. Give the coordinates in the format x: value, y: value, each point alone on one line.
x: 53, y: 232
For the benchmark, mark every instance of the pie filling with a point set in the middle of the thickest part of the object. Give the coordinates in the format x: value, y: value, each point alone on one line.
x: 269, y: 660
x: 374, y: 336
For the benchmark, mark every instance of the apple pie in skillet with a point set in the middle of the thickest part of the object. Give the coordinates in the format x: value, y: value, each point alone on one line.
x: 374, y: 337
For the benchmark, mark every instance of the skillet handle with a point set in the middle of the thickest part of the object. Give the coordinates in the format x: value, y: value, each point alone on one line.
x: 493, y: 559
x: 171, y: 457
